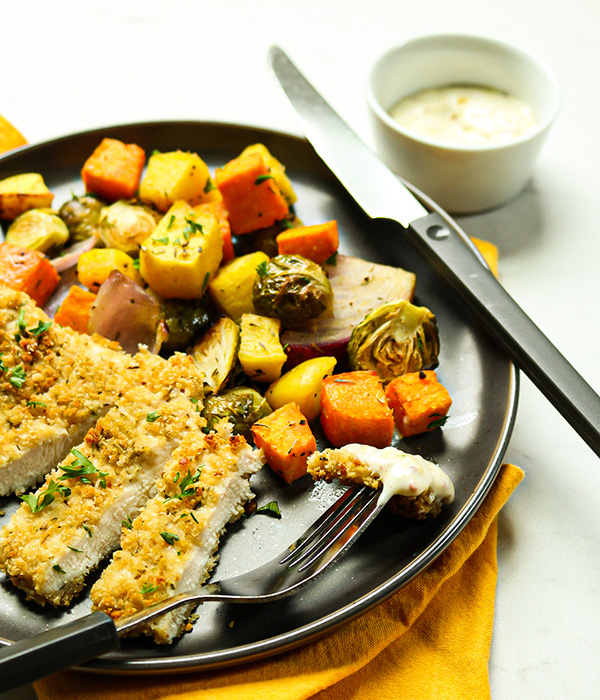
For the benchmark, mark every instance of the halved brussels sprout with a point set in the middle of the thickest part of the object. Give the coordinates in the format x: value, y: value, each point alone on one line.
x: 292, y: 288
x: 81, y: 216
x: 242, y: 406
x: 396, y: 338
x: 125, y: 225
x: 38, y: 229
x: 216, y: 353
x: 185, y: 321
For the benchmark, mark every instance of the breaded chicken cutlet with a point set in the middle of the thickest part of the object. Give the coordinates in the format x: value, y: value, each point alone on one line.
x: 170, y: 547
x: 65, y: 529
x: 54, y: 385
x: 414, y: 486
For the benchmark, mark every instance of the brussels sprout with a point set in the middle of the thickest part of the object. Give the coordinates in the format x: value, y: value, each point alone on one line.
x: 396, y: 338
x: 185, y: 321
x: 292, y: 288
x: 38, y: 229
x: 81, y: 215
x: 216, y: 353
x: 124, y: 225
x: 242, y: 406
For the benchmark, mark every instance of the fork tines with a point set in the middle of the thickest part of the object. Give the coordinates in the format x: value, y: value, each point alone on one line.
x: 334, y: 530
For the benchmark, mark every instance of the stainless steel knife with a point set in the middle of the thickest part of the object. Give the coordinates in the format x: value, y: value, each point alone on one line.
x: 383, y: 196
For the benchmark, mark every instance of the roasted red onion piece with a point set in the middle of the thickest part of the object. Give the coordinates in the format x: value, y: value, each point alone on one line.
x: 359, y: 287
x: 70, y: 255
x: 125, y: 312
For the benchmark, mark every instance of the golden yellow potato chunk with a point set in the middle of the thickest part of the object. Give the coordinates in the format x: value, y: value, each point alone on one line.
x: 183, y: 253
x: 261, y: 353
x: 176, y: 176
x: 231, y: 287
x: 20, y: 193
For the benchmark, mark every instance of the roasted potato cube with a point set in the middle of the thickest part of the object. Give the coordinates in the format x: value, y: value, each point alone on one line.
x: 183, y: 253
x: 20, y: 193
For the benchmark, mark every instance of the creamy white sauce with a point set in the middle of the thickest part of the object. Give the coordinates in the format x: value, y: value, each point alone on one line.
x: 464, y: 115
x: 402, y: 473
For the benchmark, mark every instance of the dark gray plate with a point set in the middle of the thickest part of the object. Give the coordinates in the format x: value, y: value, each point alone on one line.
x: 479, y: 376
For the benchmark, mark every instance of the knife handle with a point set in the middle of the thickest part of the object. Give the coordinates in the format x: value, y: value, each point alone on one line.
x: 443, y: 247
x: 58, y: 648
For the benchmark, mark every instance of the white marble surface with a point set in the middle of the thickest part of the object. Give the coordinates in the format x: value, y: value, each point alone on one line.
x: 69, y: 65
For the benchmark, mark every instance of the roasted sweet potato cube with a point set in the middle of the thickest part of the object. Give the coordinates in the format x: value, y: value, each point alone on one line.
x: 354, y: 409
x: 287, y: 441
x: 250, y: 194
x: 419, y: 402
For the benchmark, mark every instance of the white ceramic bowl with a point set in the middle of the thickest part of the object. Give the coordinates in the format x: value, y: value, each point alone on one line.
x: 461, y: 179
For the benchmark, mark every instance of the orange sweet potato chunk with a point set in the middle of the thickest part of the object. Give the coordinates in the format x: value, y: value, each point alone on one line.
x: 354, y: 409
x: 27, y: 271
x: 287, y: 441
x: 75, y: 309
x: 419, y: 402
x: 250, y: 194
x: 114, y: 170
x: 317, y: 243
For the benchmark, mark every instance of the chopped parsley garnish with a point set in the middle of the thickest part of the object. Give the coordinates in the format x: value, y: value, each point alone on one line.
x: 192, y: 227
x: 332, y: 259
x: 34, y: 404
x: 169, y: 537
x: 17, y: 376
x: 56, y: 567
x: 152, y: 417
x: 128, y: 522
x: 172, y: 219
x: 80, y: 468
x: 271, y: 508
x: 437, y: 422
x: 148, y: 588
x: 45, y: 497
x: 261, y: 178
x: 186, y: 485
x: 210, y: 186
x: 164, y: 240
x: 261, y: 269
x: 40, y: 328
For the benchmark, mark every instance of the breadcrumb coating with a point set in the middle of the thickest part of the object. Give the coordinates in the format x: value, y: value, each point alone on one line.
x: 348, y: 469
x: 54, y: 384
x: 48, y: 551
x: 171, y: 545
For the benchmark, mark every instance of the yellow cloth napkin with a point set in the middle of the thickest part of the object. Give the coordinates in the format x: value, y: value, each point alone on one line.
x: 430, y: 640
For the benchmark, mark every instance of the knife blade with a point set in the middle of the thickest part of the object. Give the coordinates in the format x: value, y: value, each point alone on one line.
x: 383, y: 196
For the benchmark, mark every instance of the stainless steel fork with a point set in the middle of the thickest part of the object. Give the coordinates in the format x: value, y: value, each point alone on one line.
x: 96, y: 634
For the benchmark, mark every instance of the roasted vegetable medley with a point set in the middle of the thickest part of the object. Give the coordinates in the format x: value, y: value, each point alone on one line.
x: 289, y: 331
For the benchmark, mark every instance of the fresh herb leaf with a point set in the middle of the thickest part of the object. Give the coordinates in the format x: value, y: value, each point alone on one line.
x: 332, y: 259
x: 438, y: 422
x: 169, y: 537
x: 192, y: 227
x: 56, y: 567
x: 148, y: 588
x: 186, y: 486
x: 261, y: 269
x: 164, y: 240
x: 40, y: 328
x: 45, y: 497
x: 271, y: 509
x: 34, y: 404
x: 172, y: 219
x: 128, y: 522
x: 152, y: 417
x: 17, y: 376
x: 261, y: 178
x: 80, y: 468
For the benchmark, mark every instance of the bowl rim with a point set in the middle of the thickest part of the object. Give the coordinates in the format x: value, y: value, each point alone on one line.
x: 538, y: 129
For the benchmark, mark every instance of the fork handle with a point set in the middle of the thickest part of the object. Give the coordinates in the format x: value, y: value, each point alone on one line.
x: 57, y: 649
